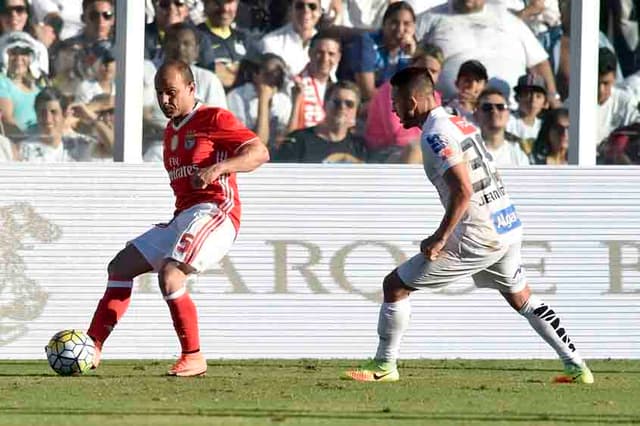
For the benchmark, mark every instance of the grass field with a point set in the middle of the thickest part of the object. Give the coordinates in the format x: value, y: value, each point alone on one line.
x: 309, y: 392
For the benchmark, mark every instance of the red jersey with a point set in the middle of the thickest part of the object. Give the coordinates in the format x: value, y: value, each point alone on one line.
x: 206, y: 136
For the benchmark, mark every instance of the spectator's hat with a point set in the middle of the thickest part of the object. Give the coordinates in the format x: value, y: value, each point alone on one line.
x: 20, y: 42
x: 531, y: 81
x: 473, y: 68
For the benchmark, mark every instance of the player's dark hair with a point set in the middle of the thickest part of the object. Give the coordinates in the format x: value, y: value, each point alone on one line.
x: 397, y: 7
x: 51, y: 94
x: 413, y: 79
x: 174, y: 29
x: 182, y: 67
x: 607, y: 61
x: 344, y: 85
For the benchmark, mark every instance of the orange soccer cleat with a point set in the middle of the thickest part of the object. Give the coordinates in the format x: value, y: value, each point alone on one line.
x: 189, y: 365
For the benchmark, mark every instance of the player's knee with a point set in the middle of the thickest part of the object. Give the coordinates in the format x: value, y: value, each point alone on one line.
x: 170, y: 276
x: 393, y: 288
x: 116, y: 268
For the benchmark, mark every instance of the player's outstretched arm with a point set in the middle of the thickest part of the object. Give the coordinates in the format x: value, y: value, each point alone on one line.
x: 249, y: 157
x: 461, y: 190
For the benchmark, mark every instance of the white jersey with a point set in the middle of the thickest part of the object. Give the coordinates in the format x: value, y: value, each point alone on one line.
x: 74, y: 147
x: 491, y: 221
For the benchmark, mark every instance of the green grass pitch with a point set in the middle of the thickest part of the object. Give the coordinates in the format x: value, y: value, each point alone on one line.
x: 309, y: 392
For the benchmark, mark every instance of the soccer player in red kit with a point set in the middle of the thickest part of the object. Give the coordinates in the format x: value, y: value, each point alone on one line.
x: 203, y: 149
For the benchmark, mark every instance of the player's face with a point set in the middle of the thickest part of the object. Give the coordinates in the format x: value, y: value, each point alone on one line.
x: 325, y: 55
x: 50, y: 117
x: 175, y: 97
x: 405, y: 107
x: 605, y: 84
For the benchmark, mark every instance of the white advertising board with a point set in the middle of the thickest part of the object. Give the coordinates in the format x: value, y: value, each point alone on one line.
x: 304, y: 277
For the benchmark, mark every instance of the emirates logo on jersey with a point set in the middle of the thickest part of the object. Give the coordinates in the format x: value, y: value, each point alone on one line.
x: 174, y: 142
x: 190, y: 140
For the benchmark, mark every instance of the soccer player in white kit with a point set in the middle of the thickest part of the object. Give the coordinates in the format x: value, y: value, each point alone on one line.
x: 479, y: 235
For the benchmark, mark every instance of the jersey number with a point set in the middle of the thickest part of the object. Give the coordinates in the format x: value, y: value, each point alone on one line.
x: 482, y: 160
x: 185, y: 243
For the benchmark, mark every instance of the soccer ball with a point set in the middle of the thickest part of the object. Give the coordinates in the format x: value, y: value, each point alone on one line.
x: 70, y: 352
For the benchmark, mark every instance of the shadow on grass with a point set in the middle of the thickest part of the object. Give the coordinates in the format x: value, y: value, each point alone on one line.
x: 357, y: 415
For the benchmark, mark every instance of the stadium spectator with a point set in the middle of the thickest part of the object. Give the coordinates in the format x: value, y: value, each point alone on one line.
x: 224, y: 44
x: 291, y: 41
x: 552, y: 144
x: 531, y: 95
x: 69, y: 12
x: 95, y: 119
x: 492, y: 116
x: 167, y: 13
x: 367, y: 14
x: 387, y: 140
x: 18, y: 90
x: 616, y: 107
x: 98, y: 33
x: 471, y: 81
x: 15, y: 23
x: 103, y: 82
x: 262, y: 103
x: 66, y: 75
x: 620, y: 19
x: 491, y: 34
x: 182, y: 44
x: 330, y: 141
x: 311, y: 84
x: 50, y: 144
x: 8, y: 150
x: 621, y: 147
x: 542, y: 16
x: 374, y: 57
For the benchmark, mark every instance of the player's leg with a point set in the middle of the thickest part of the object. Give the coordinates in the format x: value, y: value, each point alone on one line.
x: 508, y: 276
x: 123, y: 268
x: 206, y: 236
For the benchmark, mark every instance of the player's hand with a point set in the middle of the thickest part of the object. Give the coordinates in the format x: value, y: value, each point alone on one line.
x: 432, y: 246
x: 204, y: 177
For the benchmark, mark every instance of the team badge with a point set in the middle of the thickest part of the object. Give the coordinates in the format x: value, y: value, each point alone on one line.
x: 190, y: 140
x: 174, y: 142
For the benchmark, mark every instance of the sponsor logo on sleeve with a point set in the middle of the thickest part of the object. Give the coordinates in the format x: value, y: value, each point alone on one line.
x: 439, y: 146
x: 505, y: 220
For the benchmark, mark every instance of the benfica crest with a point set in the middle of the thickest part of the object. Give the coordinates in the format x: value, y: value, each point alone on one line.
x: 190, y: 140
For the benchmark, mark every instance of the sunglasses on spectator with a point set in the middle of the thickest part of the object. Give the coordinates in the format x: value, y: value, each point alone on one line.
x: 560, y: 127
x: 302, y: 5
x: 165, y: 4
x: 348, y: 103
x: 19, y: 10
x: 107, y: 15
x: 487, y: 106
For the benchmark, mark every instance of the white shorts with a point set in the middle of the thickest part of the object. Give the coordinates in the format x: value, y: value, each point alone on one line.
x: 501, y: 269
x: 199, y: 237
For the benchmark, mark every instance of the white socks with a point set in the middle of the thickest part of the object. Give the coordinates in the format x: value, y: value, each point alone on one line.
x: 392, y: 323
x: 546, y: 323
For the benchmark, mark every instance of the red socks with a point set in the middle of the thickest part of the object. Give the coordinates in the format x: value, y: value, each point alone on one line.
x: 111, y: 308
x: 185, y: 320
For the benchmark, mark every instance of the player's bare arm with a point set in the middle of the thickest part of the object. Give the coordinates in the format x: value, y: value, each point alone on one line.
x: 459, y: 183
x: 249, y: 157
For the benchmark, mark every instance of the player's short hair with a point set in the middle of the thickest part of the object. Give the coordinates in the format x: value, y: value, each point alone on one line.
x: 344, y: 85
x: 325, y: 35
x: 174, y: 29
x: 182, y: 67
x: 51, y: 94
x: 492, y: 91
x: 413, y: 79
x: 397, y: 7
x: 607, y: 61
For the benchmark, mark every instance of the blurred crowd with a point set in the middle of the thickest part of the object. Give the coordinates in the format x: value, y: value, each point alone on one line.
x: 311, y: 77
